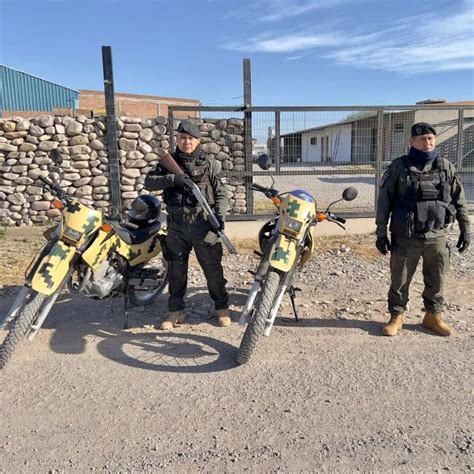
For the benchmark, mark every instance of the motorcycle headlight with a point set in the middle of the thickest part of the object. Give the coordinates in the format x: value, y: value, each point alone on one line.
x: 72, y: 234
x: 293, y: 225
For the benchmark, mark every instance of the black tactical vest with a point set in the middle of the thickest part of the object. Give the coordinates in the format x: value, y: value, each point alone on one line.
x: 182, y: 199
x: 426, y: 203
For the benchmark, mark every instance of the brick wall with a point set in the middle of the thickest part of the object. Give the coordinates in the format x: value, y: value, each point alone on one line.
x: 143, y: 106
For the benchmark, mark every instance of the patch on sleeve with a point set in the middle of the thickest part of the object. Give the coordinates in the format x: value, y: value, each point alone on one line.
x: 384, y: 177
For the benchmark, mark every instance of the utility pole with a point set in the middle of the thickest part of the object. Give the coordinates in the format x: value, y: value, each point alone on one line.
x: 112, y: 146
x: 248, y: 135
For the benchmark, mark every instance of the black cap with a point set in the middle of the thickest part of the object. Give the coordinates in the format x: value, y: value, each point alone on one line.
x: 422, y: 128
x: 188, y: 127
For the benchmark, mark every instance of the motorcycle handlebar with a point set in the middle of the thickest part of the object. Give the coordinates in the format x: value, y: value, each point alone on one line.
x: 269, y: 192
x: 54, y: 187
x: 257, y: 187
x: 333, y: 217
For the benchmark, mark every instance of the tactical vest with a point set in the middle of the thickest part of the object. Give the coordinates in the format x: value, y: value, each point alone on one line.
x: 182, y: 200
x: 426, y: 204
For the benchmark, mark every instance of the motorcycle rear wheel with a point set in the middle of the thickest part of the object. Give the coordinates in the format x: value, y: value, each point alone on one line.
x: 20, y: 325
x: 159, y: 265
x: 256, y: 325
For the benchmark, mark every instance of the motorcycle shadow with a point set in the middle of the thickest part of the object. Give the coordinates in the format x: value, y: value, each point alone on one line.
x: 373, y: 328
x: 76, y: 323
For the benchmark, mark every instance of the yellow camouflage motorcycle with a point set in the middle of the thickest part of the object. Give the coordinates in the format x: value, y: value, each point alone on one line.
x: 286, y: 244
x: 94, y: 255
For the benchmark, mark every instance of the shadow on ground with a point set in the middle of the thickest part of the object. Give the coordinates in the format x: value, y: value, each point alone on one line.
x: 78, y: 321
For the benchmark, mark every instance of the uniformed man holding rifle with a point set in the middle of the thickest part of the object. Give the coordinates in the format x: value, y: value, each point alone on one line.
x: 185, y: 177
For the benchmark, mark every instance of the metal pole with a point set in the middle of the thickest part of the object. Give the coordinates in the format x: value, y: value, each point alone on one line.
x: 379, y: 158
x: 277, y: 141
x: 171, y: 130
x: 114, y: 163
x: 248, y: 134
x: 459, y: 149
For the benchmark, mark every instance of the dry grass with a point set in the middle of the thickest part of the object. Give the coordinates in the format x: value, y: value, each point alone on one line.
x: 18, y: 246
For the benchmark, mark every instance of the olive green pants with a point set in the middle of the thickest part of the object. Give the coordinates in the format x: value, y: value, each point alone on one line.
x: 406, y: 253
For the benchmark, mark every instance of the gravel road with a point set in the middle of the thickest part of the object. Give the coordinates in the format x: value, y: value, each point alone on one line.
x: 326, y: 394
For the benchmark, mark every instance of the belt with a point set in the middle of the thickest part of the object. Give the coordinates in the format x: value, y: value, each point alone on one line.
x: 186, y: 218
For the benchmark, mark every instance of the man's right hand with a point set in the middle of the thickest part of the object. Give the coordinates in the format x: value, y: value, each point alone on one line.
x: 181, y: 180
x: 383, y: 245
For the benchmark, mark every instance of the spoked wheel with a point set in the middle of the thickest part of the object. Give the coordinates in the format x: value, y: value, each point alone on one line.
x: 256, y: 325
x: 20, y: 324
x: 154, y: 275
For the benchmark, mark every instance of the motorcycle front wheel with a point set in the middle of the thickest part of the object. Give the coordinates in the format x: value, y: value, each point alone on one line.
x: 20, y: 325
x: 256, y: 325
x: 156, y: 269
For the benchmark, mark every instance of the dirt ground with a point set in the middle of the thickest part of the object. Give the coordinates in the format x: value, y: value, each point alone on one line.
x: 328, y: 393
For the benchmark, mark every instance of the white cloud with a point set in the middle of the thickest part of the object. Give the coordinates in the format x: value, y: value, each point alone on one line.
x: 288, y: 43
x: 276, y: 10
x: 424, y: 43
x: 293, y: 58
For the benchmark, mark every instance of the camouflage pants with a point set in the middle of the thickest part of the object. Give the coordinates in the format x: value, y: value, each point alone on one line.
x: 406, y: 253
x: 181, y: 239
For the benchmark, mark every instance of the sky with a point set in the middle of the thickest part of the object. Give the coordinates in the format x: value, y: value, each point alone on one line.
x: 302, y: 52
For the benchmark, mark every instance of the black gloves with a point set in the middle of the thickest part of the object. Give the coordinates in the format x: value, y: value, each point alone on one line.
x: 463, y: 242
x: 220, y: 219
x: 383, y: 245
x: 180, y: 180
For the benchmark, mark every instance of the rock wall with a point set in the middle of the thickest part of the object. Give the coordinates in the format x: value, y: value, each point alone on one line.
x: 25, y: 143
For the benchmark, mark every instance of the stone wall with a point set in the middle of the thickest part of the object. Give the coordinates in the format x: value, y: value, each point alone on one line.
x: 25, y: 143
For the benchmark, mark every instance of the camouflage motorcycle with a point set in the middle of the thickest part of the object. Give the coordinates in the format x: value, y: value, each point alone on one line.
x: 94, y: 255
x: 286, y: 244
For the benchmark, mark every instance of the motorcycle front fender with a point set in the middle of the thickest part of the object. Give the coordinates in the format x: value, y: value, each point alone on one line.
x: 50, y: 271
x: 283, y: 253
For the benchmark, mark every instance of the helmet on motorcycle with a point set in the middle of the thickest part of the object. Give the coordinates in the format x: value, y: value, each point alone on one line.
x: 144, y: 209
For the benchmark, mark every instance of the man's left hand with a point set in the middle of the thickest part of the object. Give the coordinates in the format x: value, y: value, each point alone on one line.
x: 221, y: 222
x: 463, y: 242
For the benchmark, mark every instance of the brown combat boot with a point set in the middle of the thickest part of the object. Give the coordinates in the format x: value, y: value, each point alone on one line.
x: 434, y: 322
x: 394, y: 325
x: 173, y: 319
x: 223, y: 318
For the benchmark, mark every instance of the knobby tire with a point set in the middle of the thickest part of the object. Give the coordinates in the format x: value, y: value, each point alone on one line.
x: 19, y: 327
x: 256, y: 325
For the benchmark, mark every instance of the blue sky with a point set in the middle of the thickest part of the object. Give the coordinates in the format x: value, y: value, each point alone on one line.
x: 303, y: 52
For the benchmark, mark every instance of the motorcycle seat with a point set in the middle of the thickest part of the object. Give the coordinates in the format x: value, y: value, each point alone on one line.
x: 134, y: 236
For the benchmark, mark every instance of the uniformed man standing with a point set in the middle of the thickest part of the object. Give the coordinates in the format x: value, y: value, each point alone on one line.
x: 421, y: 194
x: 187, y: 226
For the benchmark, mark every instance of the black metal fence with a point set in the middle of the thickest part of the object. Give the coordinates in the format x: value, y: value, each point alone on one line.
x: 325, y: 149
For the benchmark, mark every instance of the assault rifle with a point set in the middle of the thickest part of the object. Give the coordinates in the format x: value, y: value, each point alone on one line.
x: 168, y: 162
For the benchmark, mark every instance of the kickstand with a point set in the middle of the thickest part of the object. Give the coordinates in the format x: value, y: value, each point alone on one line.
x: 126, y: 305
x: 292, y: 293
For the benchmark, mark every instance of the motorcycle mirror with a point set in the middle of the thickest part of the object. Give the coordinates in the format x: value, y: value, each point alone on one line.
x: 56, y: 156
x: 349, y: 194
x: 264, y: 162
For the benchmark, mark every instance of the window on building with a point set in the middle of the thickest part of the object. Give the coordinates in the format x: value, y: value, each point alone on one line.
x: 314, y: 140
x: 398, y: 127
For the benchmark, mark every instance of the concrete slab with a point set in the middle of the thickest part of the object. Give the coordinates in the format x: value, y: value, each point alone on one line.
x: 249, y: 229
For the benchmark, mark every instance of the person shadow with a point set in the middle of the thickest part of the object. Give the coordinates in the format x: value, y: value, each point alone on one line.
x: 75, y: 321
x: 372, y: 328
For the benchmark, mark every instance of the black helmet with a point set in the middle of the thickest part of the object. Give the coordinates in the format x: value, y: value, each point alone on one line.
x: 144, y: 209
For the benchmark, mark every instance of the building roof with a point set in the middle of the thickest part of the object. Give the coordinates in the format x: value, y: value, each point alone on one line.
x: 140, y: 96
x: 37, y: 77
x: 440, y: 103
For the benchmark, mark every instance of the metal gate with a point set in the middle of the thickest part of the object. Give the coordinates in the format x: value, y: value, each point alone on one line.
x: 325, y: 149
